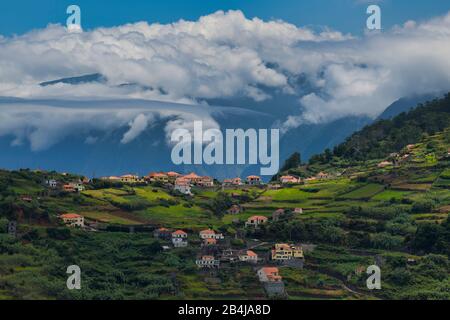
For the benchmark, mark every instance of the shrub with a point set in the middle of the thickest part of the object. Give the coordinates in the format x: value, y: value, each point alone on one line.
x: 422, y: 207
x: 59, y: 233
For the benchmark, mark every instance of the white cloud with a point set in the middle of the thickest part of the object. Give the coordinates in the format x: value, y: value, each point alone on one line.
x: 44, y: 124
x: 137, y: 126
x: 222, y: 55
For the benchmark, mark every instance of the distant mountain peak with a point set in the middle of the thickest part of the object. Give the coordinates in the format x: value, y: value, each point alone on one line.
x: 406, y: 104
x: 88, y: 78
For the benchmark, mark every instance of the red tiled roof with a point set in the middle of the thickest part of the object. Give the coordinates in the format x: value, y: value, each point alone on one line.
x: 250, y: 253
x: 258, y: 218
x: 179, y: 232
x: 70, y: 216
x: 191, y: 175
x: 270, y: 270
x: 209, y: 231
x: 283, y: 246
x: 157, y: 174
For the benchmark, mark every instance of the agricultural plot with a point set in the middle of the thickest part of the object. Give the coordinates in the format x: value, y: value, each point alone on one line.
x: 111, y: 218
x: 421, y: 187
x: 328, y: 189
x: 286, y: 195
x: 152, y: 194
x: 387, y: 195
x: 179, y: 216
x: 442, y: 183
x: 365, y: 192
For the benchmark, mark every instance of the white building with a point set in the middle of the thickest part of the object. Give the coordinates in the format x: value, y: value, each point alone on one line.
x: 269, y: 274
x: 179, y: 239
x: 72, y: 220
x: 255, y: 221
x: 207, y: 262
x: 210, y: 234
x: 76, y: 186
x: 52, y: 183
x: 248, y: 256
x: 182, y: 186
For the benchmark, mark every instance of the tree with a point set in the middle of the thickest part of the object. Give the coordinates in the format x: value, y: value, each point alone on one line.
x: 220, y: 204
x: 294, y: 161
x: 427, y: 236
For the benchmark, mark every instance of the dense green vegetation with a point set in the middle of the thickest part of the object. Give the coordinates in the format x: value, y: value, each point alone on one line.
x: 387, y: 136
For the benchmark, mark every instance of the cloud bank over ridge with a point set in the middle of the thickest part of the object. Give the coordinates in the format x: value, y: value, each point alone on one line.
x: 222, y: 55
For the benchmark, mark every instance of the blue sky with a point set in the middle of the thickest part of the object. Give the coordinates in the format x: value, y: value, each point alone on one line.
x: 19, y: 16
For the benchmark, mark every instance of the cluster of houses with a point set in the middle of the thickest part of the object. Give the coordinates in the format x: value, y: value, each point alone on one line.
x: 183, y: 183
x: 289, y: 179
x: 210, y: 237
x: 126, y: 178
x: 71, y: 187
x: 269, y: 276
x: 210, y: 261
x: 395, y: 158
x: 281, y: 253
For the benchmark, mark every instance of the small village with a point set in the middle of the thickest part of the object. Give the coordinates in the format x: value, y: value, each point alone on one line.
x: 214, y: 248
x: 287, y: 238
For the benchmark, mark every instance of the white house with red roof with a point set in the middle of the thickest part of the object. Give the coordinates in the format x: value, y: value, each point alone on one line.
x: 172, y: 176
x: 210, y: 234
x: 232, y: 182
x: 289, y: 180
x: 206, y: 182
x: 255, y: 221
x: 158, y: 177
x: 253, y: 180
x: 72, y: 219
x: 269, y: 274
x: 179, y: 239
x: 182, y: 185
x: 207, y: 262
x: 248, y: 256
